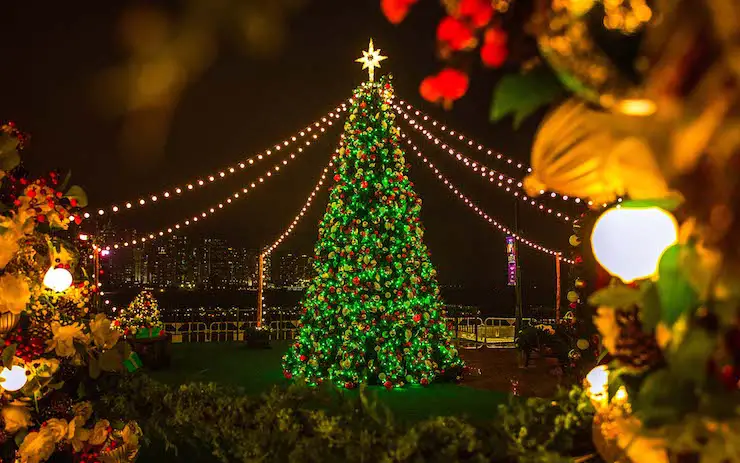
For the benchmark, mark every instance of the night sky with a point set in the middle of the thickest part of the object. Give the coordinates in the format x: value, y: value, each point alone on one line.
x: 56, y: 54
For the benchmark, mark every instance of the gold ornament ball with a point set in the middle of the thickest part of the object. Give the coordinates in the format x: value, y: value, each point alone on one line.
x: 574, y: 240
x: 572, y: 296
x: 582, y: 344
x: 580, y: 283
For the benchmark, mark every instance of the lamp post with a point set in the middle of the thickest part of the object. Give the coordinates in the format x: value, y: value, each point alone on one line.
x: 518, y: 285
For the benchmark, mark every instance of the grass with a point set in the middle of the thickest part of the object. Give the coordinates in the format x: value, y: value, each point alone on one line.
x: 256, y: 371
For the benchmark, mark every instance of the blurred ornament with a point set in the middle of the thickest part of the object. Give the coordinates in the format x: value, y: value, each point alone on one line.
x: 574, y: 240
x: 580, y: 283
x: 493, y: 53
x: 13, y: 379
x: 455, y: 34
x: 396, y: 10
x: 628, y: 242
x: 593, y: 48
x: 577, y: 152
x: 572, y: 296
x: 8, y: 320
x: 58, y: 279
x: 582, y: 344
x: 597, y: 383
x: 447, y: 86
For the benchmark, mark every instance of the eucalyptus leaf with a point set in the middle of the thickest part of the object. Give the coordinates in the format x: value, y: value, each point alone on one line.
x: 66, y: 180
x: 8, y: 354
x: 650, y: 312
x: 676, y: 294
x: 76, y: 192
x: 618, y: 297
x: 690, y: 357
x: 9, y: 160
x: 94, y: 368
x: 668, y: 204
x: 522, y: 94
x: 111, y: 360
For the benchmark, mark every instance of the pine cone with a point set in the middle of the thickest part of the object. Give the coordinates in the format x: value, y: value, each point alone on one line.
x: 634, y: 347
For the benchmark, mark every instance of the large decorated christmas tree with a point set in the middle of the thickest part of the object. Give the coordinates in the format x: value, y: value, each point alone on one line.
x: 373, y: 313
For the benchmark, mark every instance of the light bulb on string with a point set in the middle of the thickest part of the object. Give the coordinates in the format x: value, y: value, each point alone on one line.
x: 209, y: 211
x: 450, y: 186
x: 629, y: 241
x: 221, y: 174
x: 500, y: 180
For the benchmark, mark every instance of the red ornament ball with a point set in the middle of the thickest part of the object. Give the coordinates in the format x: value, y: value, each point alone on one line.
x: 303, y: 358
x: 388, y: 385
x: 417, y: 318
x: 424, y: 382
x: 337, y: 178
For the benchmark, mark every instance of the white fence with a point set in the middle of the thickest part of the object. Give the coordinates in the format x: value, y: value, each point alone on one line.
x: 471, y: 332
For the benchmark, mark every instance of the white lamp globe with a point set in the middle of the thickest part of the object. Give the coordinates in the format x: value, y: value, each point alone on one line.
x: 58, y: 279
x: 15, y: 378
x: 629, y: 242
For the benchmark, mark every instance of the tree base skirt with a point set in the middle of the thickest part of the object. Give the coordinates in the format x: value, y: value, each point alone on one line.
x: 155, y: 353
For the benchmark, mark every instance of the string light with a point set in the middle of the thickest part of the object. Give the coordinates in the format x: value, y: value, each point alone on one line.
x: 305, y: 207
x: 480, y: 212
x: 312, y: 132
x: 500, y: 180
x: 209, y: 211
x: 459, y: 156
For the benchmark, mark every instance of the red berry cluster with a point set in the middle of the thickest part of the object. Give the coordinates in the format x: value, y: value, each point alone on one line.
x: 468, y: 20
x: 89, y: 457
x: 27, y: 347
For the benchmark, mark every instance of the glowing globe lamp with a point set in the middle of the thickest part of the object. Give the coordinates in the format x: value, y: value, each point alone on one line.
x: 14, y: 378
x: 628, y: 242
x: 597, y: 383
x: 58, y: 279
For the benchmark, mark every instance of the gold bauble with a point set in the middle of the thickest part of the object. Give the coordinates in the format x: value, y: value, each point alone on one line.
x: 574, y: 240
x: 572, y: 296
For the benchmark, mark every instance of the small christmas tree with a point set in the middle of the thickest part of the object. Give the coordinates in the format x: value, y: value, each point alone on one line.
x: 373, y: 312
x: 141, y: 318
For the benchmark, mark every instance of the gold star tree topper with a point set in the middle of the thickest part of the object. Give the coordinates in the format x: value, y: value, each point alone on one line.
x: 370, y: 60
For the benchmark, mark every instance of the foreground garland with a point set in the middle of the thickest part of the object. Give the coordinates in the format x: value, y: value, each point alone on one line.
x: 52, y: 345
x: 305, y: 424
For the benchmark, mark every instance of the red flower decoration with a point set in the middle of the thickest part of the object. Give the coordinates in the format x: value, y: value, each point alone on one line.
x: 424, y: 381
x: 396, y: 10
x: 493, y: 53
x: 478, y: 12
x: 455, y: 34
x: 303, y: 358
x: 388, y: 385
x: 449, y: 85
x: 417, y: 318
x: 337, y: 178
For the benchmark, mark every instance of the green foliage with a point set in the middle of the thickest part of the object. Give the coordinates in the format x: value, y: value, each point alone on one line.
x: 618, y: 297
x: 549, y: 425
x: 9, y: 157
x: 669, y: 204
x: 522, y: 94
x: 76, y: 192
x: 677, y: 297
x: 301, y: 424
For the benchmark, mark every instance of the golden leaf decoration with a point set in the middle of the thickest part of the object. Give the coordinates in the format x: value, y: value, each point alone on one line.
x: 576, y: 154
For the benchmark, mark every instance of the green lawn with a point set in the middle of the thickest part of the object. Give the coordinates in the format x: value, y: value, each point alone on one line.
x: 256, y: 371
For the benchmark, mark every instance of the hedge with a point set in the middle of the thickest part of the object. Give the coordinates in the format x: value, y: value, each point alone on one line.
x: 302, y: 424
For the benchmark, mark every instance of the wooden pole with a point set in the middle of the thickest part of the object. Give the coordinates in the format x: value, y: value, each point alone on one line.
x: 260, y: 284
x: 518, y: 286
x: 557, y: 287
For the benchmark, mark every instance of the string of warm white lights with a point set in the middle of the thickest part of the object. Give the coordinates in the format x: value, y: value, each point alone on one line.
x: 305, y: 207
x: 313, y: 131
x: 500, y: 180
x: 485, y: 216
x: 210, y: 211
x: 458, y: 155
